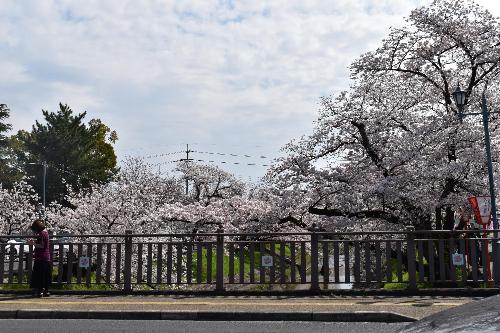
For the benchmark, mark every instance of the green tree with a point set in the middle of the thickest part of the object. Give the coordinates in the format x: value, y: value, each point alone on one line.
x: 76, y: 154
x: 4, y: 127
x: 9, y: 168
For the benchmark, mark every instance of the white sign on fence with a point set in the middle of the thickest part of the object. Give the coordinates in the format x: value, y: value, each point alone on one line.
x: 84, y: 262
x: 267, y: 261
x: 457, y: 259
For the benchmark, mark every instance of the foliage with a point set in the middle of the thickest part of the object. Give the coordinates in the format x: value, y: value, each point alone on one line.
x: 10, y: 171
x: 77, y: 155
x: 4, y: 127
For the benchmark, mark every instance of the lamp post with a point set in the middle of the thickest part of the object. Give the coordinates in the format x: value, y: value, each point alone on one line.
x: 460, y: 96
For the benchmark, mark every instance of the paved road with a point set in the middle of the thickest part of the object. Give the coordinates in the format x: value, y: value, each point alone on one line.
x: 73, y: 326
x: 480, y: 316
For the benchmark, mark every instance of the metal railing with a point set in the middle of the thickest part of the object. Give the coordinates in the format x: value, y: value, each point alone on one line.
x: 222, y: 261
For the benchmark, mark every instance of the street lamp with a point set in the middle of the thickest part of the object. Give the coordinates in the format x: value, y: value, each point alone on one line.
x: 459, y: 96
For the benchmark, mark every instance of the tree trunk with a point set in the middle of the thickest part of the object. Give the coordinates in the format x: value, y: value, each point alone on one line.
x: 449, y: 219
x: 439, y: 218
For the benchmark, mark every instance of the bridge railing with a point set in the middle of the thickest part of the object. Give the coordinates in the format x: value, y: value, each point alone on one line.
x: 260, y: 261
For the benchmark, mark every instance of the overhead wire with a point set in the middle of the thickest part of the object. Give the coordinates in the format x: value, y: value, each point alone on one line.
x: 163, y: 154
x: 210, y: 161
x: 227, y: 154
x: 188, y: 151
x: 234, y: 163
x: 175, y: 161
x: 72, y: 173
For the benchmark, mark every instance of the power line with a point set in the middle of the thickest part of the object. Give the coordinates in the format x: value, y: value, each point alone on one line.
x: 211, y: 161
x: 227, y: 154
x: 188, y: 151
x: 165, y: 162
x: 72, y: 173
x: 233, y: 163
x: 187, y: 159
x: 163, y: 155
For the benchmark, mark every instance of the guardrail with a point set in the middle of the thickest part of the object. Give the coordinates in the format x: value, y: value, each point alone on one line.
x: 310, y: 260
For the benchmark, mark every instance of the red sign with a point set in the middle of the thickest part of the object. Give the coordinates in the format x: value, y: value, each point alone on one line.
x: 481, y: 205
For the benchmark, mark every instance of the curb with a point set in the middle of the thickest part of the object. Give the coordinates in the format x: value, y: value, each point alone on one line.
x: 361, y: 316
x: 450, y: 292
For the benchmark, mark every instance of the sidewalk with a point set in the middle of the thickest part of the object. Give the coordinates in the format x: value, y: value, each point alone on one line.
x: 277, y: 308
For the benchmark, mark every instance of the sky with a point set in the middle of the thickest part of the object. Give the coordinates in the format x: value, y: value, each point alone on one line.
x: 237, y: 79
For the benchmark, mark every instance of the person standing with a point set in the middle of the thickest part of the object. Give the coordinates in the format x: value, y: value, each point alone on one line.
x: 41, y: 276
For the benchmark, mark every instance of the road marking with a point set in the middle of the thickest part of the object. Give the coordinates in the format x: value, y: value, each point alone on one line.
x: 246, y: 303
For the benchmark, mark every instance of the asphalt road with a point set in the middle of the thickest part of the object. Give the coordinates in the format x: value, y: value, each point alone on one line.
x: 473, y: 317
x: 73, y: 326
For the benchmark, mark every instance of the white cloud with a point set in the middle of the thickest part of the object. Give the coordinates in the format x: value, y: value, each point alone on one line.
x: 165, y: 72
x: 78, y: 97
x: 13, y: 72
x: 492, y: 5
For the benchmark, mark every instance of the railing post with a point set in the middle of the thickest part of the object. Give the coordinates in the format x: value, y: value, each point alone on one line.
x: 219, y: 283
x: 127, y: 269
x: 411, y: 256
x: 314, y: 259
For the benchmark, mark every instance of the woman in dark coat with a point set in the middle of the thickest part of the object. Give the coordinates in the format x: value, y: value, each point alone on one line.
x: 42, y: 271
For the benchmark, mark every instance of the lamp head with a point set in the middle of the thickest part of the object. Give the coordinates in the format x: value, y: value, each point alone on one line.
x: 459, y: 97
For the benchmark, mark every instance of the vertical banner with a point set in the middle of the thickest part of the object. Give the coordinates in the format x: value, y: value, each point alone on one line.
x: 481, y: 205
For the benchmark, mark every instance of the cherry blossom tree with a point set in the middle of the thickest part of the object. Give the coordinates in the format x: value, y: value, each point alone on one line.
x: 17, y: 208
x: 392, y: 151
x: 446, y: 43
x: 148, y: 203
x: 128, y: 202
x: 208, y: 183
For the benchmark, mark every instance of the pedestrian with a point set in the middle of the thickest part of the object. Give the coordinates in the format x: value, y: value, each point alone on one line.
x: 461, y: 219
x: 41, y: 276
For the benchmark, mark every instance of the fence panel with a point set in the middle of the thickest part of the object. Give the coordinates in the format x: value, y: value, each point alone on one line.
x: 303, y: 263
x: 388, y: 260
x: 347, y: 263
x: 2, y: 260
x: 252, y: 262
x: 451, y: 250
x: 241, y: 260
x: 318, y: 259
x: 420, y: 254
x: 325, y: 270
x: 189, y: 262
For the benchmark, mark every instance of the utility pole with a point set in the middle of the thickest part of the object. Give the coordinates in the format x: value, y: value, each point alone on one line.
x: 187, y: 160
